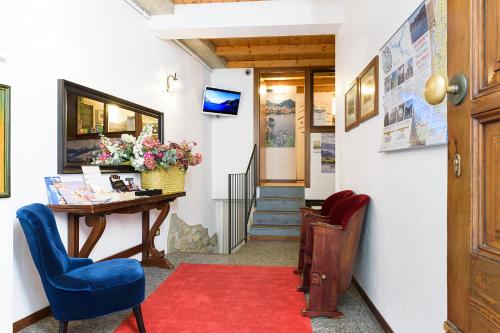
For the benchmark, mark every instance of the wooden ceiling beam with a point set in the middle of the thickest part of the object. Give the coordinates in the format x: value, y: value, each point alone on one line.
x: 329, y: 89
x: 286, y: 75
x: 281, y: 63
x: 155, y: 7
x: 275, y: 49
x: 300, y: 82
x: 205, y: 50
x: 194, y: 2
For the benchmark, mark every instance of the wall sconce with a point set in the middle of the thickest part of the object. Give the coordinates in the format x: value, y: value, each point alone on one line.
x: 172, y: 83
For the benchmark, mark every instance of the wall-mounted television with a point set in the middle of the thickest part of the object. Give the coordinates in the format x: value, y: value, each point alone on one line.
x: 221, y: 102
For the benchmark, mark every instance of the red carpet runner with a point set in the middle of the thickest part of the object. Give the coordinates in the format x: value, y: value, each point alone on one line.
x: 226, y: 299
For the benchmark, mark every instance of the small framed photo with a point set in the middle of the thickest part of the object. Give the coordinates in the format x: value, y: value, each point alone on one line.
x: 4, y: 141
x: 368, y: 91
x: 351, y: 106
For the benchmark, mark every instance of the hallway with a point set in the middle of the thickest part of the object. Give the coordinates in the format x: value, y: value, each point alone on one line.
x: 358, y: 318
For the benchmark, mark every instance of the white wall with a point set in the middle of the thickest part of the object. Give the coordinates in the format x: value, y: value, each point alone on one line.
x: 232, y: 137
x: 104, y: 45
x: 402, y: 257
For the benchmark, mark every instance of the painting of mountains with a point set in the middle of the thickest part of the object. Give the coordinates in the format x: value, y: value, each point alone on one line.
x: 280, y: 121
x: 221, y: 101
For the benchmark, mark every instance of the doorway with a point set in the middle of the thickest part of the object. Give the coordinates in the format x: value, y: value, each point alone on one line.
x: 284, y: 100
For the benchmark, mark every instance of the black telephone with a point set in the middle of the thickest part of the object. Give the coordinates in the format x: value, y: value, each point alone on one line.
x: 117, y: 184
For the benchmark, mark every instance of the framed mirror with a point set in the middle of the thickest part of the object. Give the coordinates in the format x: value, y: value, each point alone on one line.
x: 323, y: 101
x: 84, y: 113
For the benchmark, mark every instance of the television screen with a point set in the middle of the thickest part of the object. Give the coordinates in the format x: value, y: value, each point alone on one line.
x: 221, y: 102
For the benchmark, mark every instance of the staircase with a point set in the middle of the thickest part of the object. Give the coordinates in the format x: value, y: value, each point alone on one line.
x: 277, y: 212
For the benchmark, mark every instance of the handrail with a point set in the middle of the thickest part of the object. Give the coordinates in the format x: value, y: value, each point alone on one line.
x: 242, y: 190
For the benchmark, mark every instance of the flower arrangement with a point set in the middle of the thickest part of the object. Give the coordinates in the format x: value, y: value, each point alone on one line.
x: 147, y: 153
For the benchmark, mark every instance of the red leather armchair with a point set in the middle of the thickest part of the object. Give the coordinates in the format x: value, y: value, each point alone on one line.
x: 308, y: 214
x: 330, y: 254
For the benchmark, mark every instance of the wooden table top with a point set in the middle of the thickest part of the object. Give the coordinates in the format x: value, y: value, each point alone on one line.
x: 108, y: 207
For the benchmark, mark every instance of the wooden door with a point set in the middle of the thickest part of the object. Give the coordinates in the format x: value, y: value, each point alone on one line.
x: 474, y: 196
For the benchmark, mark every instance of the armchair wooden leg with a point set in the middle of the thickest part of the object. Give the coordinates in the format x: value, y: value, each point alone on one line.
x: 63, y: 326
x: 300, y: 265
x: 306, y: 279
x: 138, y: 318
x: 324, y: 273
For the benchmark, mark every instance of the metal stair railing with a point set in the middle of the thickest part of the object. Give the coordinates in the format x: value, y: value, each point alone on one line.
x: 241, y: 198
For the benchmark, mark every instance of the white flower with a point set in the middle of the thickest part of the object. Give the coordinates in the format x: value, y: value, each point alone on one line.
x: 138, y: 163
x: 127, y: 138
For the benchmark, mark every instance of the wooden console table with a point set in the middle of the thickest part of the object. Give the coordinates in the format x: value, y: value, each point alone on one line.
x: 95, y: 217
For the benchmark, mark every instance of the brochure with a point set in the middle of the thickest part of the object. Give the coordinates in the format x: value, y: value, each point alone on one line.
x: 52, y: 184
x: 93, y: 179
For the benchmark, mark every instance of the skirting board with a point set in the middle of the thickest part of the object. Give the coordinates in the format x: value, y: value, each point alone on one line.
x: 31, y: 319
x: 378, y: 316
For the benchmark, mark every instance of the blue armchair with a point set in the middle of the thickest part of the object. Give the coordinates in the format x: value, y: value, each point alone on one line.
x: 77, y: 288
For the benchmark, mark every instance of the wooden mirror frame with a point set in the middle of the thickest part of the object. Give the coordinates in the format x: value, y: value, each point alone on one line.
x: 64, y: 86
x: 313, y: 128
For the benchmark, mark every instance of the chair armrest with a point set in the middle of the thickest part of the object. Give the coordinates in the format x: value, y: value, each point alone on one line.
x: 314, y: 218
x: 305, y: 210
x: 75, y: 263
x: 326, y: 225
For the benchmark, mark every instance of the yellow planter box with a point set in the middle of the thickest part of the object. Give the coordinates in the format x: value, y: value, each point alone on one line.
x: 168, y: 180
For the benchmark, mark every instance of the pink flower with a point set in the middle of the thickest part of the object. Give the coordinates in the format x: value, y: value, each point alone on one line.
x: 150, y: 163
x: 197, y: 158
x: 150, y: 143
x: 149, y: 155
x: 104, y: 156
x: 159, y: 154
x: 179, y: 154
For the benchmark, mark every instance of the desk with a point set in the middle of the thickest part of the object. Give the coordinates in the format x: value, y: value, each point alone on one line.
x: 95, y: 218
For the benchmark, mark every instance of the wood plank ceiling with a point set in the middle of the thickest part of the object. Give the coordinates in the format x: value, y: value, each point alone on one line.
x: 190, y: 2
x: 270, y: 52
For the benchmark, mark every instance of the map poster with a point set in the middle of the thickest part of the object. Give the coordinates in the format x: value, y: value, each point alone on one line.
x: 414, y: 53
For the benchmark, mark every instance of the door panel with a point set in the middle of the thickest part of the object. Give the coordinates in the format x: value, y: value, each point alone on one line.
x: 474, y: 197
x: 486, y: 48
x: 492, y: 187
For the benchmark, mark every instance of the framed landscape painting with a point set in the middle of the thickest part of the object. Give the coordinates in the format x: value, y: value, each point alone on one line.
x: 5, y: 141
x: 368, y: 90
x: 351, y: 106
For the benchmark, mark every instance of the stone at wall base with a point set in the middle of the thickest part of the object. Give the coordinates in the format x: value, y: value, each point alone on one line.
x: 184, y: 237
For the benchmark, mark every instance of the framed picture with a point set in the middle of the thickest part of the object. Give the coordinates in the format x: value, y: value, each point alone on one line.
x: 5, y: 141
x: 368, y: 91
x: 351, y: 106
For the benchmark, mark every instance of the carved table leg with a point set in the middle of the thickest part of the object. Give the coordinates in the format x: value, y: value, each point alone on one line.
x: 155, y: 257
x: 98, y: 224
x: 73, y: 235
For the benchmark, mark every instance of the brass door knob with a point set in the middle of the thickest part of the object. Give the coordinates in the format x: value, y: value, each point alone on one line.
x: 437, y: 87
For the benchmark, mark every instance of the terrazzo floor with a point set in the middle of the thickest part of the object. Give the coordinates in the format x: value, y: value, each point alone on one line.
x: 357, y: 317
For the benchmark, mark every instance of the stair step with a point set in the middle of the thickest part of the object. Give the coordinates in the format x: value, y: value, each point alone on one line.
x: 281, y: 191
x: 276, y: 231
x: 280, y: 204
x: 263, y: 217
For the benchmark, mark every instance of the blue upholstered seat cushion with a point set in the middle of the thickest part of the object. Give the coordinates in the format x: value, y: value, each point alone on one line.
x: 101, y: 275
x: 97, y: 289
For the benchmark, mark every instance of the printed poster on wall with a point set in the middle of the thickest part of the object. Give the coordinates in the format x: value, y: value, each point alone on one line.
x: 280, y: 120
x: 414, y: 53
x: 327, y: 153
